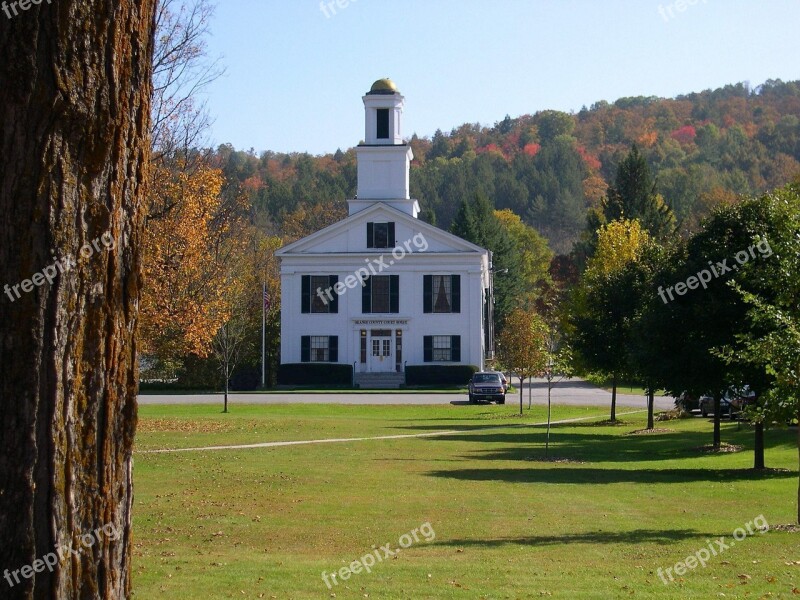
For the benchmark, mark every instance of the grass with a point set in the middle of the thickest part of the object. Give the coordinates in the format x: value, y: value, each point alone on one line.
x: 597, y: 524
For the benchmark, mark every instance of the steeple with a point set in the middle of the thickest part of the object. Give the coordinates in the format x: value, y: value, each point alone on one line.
x: 384, y: 158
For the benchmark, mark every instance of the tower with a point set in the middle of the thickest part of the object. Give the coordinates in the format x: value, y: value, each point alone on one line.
x: 384, y: 159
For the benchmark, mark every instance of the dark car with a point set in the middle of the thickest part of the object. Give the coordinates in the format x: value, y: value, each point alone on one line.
x: 731, y: 403
x: 487, y: 386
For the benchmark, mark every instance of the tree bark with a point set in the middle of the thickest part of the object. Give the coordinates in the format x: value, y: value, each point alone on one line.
x: 717, y: 418
x: 74, y: 125
x: 650, y: 405
x: 614, y: 398
x: 798, y: 460
x: 758, y: 461
x: 521, y: 383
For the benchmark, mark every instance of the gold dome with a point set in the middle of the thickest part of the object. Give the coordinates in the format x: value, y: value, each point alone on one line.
x: 384, y: 86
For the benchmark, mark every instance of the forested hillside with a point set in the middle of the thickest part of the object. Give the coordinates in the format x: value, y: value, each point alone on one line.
x: 551, y: 167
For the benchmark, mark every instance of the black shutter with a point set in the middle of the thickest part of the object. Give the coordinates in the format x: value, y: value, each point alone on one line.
x: 428, y: 348
x: 305, y: 348
x: 370, y: 235
x: 333, y: 306
x: 455, y: 348
x: 427, y: 294
x: 394, y: 294
x: 455, y: 287
x: 392, y: 243
x: 305, y: 295
x: 366, y: 296
x: 333, y: 348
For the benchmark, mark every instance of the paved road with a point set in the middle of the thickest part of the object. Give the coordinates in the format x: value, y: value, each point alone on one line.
x: 574, y: 392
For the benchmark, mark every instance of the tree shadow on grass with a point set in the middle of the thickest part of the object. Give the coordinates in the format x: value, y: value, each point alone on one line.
x: 587, y: 475
x: 521, y: 443
x: 633, y: 537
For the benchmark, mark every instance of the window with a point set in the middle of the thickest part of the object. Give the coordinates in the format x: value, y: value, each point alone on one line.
x: 381, y: 294
x: 441, y: 294
x: 442, y: 348
x: 380, y: 235
x: 318, y: 295
x: 383, y: 124
x: 319, y: 348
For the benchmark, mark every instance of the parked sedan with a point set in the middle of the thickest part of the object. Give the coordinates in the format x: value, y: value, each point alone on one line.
x: 487, y: 386
x: 732, y: 403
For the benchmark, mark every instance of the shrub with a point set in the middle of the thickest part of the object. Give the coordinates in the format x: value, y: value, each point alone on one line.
x: 439, y: 374
x: 315, y: 374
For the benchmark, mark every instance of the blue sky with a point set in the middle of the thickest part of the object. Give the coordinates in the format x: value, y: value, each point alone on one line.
x: 295, y: 76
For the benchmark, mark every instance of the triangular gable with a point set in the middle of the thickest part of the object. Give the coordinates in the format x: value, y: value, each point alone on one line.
x: 316, y: 242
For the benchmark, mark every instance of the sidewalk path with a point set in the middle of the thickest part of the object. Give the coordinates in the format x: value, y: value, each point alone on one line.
x: 379, y: 437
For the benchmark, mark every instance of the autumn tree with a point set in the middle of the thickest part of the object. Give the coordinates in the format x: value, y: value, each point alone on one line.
x: 522, y: 345
x: 189, y: 251
x: 74, y: 140
x: 601, y: 309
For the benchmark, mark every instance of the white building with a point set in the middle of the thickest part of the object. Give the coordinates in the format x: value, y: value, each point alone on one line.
x: 381, y: 289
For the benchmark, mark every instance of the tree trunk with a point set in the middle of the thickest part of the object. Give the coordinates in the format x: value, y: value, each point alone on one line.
x: 74, y: 121
x: 798, y: 460
x: 547, y: 440
x: 227, y: 379
x: 530, y: 392
x: 650, y: 405
x: 717, y: 432
x: 521, y: 381
x: 758, y: 462
x: 614, y: 398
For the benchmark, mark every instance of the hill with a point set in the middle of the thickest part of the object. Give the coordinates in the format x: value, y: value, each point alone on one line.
x: 706, y: 148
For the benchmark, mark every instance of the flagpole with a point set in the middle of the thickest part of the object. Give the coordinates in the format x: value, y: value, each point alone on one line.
x: 264, y: 337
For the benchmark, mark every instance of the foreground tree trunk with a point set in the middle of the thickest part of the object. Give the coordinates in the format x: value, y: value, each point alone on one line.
x: 651, y: 400
x: 717, y: 418
x: 798, y: 461
x: 75, y: 104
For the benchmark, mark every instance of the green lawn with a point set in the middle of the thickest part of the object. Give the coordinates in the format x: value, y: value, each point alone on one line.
x: 266, y: 522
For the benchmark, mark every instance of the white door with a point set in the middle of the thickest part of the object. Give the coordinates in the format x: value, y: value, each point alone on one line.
x: 381, y: 352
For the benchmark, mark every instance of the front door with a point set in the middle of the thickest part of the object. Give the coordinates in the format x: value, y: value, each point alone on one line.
x: 381, y: 351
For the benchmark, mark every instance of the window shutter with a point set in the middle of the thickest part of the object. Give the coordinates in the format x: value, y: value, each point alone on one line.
x: 455, y: 287
x: 370, y: 235
x: 305, y: 348
x: 305, y: 295
x: 392, y: 242
x: 427, y: 294
x: 455, y: 348
x: 394, y: 294
x: 333, y: 348
x: 366, y: 296
x: 428, y: 348
x: 333, y: 305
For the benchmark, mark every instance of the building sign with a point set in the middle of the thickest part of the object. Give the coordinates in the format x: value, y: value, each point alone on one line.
x: 394, y: 322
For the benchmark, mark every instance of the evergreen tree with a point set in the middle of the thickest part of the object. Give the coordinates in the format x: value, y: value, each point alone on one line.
x: 633, y: 196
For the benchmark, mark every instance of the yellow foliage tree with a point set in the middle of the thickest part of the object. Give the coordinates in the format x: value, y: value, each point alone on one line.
x: 189, y: 251
x: 523, y: 345
x: 618, y: 243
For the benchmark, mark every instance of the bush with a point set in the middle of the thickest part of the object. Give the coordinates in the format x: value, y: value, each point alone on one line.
x: 315, y: 374
x: 439, y: 374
